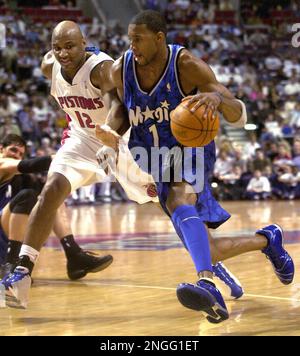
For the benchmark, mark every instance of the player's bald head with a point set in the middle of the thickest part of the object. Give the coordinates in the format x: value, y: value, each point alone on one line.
x: 68, y: 45
x: 67, y: 30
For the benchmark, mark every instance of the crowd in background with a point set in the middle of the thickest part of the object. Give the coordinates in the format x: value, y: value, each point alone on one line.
x: 38, y: 3
x: 254, y: 58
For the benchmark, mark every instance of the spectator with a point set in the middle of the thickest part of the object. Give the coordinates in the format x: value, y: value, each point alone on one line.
x: 251, y: 146
x: 284, y: 155
x: 259, y: 162
x: 259, y: 187
x: 296, y: 153
x: 151, y: 5
x: 10, y: 57
x: 289, y: 178
x: 28, y: 126
x: 295, y: 117
x: 292, y: 87
x: 239, y: 159
x: 231, y: 185
x: 223, y: 165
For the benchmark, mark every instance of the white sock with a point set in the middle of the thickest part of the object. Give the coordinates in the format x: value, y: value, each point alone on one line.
x: 207, y: 279
x: 30, y: 252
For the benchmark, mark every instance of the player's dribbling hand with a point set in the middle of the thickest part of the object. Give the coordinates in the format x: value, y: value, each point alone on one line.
x: 108, y: 137
x: 211, y: 100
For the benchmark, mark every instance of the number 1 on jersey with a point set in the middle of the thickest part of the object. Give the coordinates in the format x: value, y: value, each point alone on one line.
x: 153, y: 130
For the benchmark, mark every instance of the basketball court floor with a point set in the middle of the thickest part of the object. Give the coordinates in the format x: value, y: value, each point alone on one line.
x: 136, y: 295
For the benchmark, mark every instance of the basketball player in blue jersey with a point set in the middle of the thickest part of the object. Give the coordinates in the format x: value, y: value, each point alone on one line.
x: 14, y: 213
x: 152, y: 78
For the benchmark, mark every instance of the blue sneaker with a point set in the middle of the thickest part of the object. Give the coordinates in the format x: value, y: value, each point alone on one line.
x: 204, y: 297
x: 17, y: 286
x: 232, y: 283
x: 282, y: 262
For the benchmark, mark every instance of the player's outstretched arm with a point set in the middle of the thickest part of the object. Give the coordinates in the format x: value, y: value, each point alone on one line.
x: 117, y: 122
x: 195, y: 73
x: 10, y: 167
x: 117, y: 119
x: 47, y: 65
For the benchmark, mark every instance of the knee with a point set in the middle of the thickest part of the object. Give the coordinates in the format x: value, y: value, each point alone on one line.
x: 173, y: 200
x: 177, y: 197
x: 54, y: 192
x: 23, y: 202
x: 172, y: 203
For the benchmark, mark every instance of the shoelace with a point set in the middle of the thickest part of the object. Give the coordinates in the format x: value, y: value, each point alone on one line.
x: 225, y: 275
x: 277, y: 260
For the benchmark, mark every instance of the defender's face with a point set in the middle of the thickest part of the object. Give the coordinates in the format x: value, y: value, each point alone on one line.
x: 14, y: 151
x: 69, y: 50
x: 143, y: 43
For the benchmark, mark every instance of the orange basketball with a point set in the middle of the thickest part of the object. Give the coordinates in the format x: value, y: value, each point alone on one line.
x: 191, y: 129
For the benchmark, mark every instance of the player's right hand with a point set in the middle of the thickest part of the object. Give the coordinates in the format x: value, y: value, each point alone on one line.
x: 108, y: 137
x: 211, y: 100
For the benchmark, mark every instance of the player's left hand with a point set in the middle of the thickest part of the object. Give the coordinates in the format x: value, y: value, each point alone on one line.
x: 211, y: 100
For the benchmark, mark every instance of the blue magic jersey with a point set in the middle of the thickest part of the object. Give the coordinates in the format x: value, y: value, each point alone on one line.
x: 149, y: 116
x: 149, y: 113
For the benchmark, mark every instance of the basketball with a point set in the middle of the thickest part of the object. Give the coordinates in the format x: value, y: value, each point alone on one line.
x: 191, y: 129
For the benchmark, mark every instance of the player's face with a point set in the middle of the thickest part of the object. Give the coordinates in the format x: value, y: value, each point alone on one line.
x: 14, y: 151
x: 68, y: 50
x: 144, y: 43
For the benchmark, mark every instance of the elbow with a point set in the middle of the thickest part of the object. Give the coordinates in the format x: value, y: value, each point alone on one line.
x: 242, y: 121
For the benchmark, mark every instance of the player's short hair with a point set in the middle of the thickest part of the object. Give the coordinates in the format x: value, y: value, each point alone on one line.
x: 13, y: 139
x: 152, y: 19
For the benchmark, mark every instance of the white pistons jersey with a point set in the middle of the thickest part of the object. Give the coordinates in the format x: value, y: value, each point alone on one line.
x: 80, y: 100
x: 77, y: 160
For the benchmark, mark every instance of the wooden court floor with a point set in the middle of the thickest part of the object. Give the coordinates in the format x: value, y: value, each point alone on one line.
x: 136, y: 295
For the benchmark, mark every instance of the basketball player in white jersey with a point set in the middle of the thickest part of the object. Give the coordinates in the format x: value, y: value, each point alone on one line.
x: 82, y: 87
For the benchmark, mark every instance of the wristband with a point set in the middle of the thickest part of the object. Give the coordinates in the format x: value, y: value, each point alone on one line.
x: 35, y: 165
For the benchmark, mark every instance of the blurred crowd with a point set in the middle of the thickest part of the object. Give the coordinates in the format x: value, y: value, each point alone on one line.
x: 251, y: 56
x: 255, y: 59
x: 38, y: 3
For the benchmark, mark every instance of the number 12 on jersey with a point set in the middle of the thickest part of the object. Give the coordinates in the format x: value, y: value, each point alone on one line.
x: 84, y: 120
